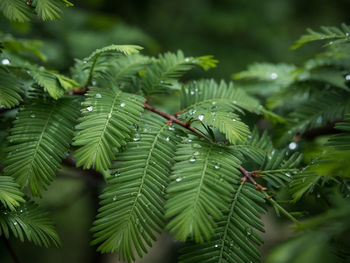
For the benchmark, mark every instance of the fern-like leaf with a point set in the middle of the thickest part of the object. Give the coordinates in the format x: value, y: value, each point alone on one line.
x: 235, y: 238
x: 48, y: 9
x: 36, y: 150
x: 227, y: 122
x: 133, y: 203
x: 52, y: 82
x: 107, y: 124
x: 341, y: 141
x: 10, y: 194
x: 15, y: 10
x: 29, y: 222
x: 10, y: 89
x: 200, y: 189
x: 338, y: 35
x: 161, y: 75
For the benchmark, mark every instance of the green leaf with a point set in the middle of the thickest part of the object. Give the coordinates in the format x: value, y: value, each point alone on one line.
x: 16, y: 10
x: 29, y: 222
x: 10, y: 89
x: 48, y: 9
x: 235, y: 238
x: 10, y: 194
x: 109, y: 116
x: 200, y: 189
x: 133, y: 202
x: 227, y: 122
x: 338, y: 35
x: 35, y: 150
x: 52, y: 82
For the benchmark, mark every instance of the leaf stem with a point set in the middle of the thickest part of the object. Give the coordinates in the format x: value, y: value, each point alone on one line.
x: 275, y: 204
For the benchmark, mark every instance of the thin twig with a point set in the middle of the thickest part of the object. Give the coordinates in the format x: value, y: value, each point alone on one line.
x: 285, y: 212
x: 172, y: 118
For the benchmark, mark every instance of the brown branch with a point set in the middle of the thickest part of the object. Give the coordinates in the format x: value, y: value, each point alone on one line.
x: 249, y: 176
x: 172, y: 118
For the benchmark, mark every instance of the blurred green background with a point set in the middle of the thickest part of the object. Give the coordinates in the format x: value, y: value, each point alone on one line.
x: 236, y: 32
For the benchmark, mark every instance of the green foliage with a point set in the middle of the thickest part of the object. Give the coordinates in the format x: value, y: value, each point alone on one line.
x: 200, y: 189
x: 339, y: 35
x: 35, y: 150
x: 109, y: 116
x: 10, y: 89
x: 234, y: 239
x: 195, y: 173
x: 10, y: 194
x: 137, y: 187
x: 29, y: 222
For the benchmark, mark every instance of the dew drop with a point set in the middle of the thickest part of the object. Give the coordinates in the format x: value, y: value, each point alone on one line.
x: 15, y: 223
x: 234, y: 102
x: 32, y: 115
x: 318, y: 196
x: 192, y: 159
x: 98, y: 96
x: 196, y: 153
x: 216, y: 246
x: 137, y: 137
x: 139, y: 194
x: 167, y: 139
x: 178, y: 179
x: 192, y: 92
x: 287, y: 174
x: 122, y: 104
x: 201, y: 117
x: 196, y: 145
x: 292, y: 146
x: 109, y: 115
x: 90, y: 108
x: 115, y: 198
x: 5, y: 61
x: 187, y: 59
x: 217, y: 166
x: 249, y: 231
x: 171, y: 128
x: 234, y: 120
x: 274, y: 75
x: 214, y: 102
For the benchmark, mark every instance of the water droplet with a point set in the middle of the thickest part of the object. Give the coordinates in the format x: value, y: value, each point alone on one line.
x: 249, y: 136
x: 234, y: 102
x: 90, y: 108
x: 216, y: 245
x: 248, y: 231
x: 116, y: 174
x: 15, y: 223
x: 109, y: 115
x: 201, y: 117
x: 137, y: 137
x: 196, y: 153
x: 187, y: 59
x: 196, y: 145
x: 21, y: 211
x: 114, y: 198
x: 214, y: 102
x: 274, y: 75
x: 318, y: 196
x: 171, y: 128
x: 98, y: 96
x: 178, y: 179
x: 234, y: 120
x: 192, y: 92
x: 5, y: 61
x: 192, y: 159
x: 84, y: 61
x: 292, y: 146
x: 122, y: 104
x: 32, y: 115
x: 319, y: 119
x: 139, y: 194
x: 94, y: 83
x: 287, y: 174
x: 167, y: 139
x: 217, y: 166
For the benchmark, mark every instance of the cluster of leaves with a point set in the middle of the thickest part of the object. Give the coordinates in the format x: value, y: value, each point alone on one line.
x: 183, y: 178
x: 316, y: 99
